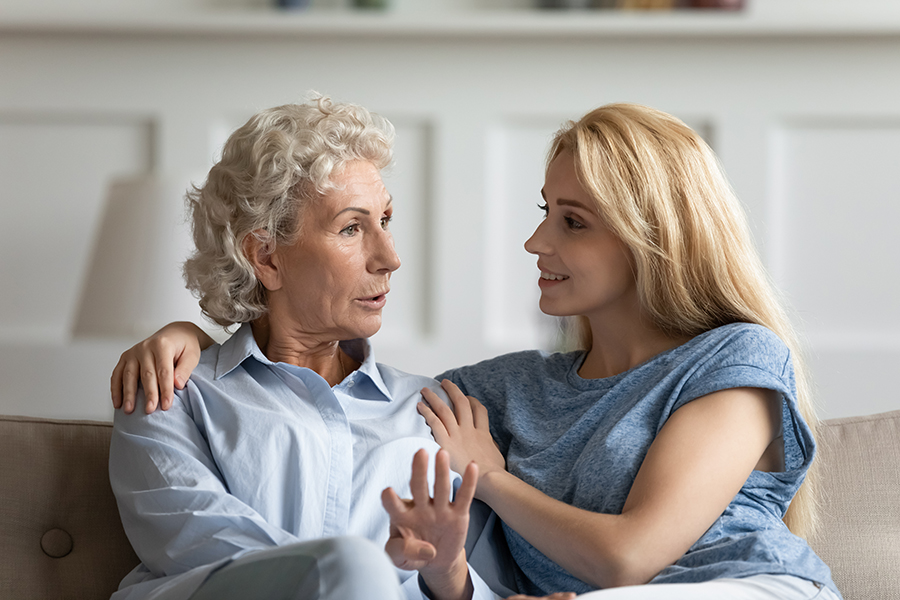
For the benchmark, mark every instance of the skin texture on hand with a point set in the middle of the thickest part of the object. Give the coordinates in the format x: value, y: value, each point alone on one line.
x: 464, y: 432
x: 161, y: 363
x: 428, y: 534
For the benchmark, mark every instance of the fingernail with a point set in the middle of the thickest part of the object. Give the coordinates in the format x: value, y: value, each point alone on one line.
x: 426, y: 553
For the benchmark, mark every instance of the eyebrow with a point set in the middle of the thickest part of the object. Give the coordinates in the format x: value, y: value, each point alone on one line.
x: 363, y: 211
x: 352, y: 209
x: 567, y: 202
x: 575, y: 203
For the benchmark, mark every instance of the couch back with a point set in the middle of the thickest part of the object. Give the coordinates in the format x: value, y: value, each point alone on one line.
x: 859, y: 537
x: 61, y: 538
x: 60, y: 533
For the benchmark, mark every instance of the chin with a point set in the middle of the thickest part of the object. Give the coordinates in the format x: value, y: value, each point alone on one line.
x: 368, y: 329
x: 548, y: 309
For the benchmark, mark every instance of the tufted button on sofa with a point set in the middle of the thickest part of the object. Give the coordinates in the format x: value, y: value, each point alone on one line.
x: 60, y: 534
x: 61, y: 538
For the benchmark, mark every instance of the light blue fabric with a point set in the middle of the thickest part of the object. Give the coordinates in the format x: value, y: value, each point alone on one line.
x: 254, y: 455
x: 582, y: 442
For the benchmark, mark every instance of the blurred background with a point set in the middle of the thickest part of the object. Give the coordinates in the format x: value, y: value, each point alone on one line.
x: 109, y: 109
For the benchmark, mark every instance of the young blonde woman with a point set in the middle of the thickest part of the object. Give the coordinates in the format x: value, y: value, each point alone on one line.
x: 671, y: 447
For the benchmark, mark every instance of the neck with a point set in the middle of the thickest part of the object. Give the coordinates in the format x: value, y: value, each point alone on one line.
x: 318, y: 353
x: 622, y: 344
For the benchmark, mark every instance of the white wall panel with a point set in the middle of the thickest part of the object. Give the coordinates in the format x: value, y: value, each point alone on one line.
x: 54, y: 170
x: 514, y: 176
x: 839, y: 193
x: 835, y: 206
x: 854, y: 381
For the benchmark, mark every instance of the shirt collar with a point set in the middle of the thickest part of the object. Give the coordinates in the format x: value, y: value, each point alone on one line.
x: 242, y: 345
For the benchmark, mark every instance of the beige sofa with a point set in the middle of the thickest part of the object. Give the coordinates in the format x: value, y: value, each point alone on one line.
x: 60, y: 535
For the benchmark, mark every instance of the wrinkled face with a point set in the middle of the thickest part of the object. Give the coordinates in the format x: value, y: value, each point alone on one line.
x: 334, y: 279
x: 585, y: 269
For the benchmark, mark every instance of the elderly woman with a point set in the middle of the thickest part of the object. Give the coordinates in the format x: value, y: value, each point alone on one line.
x: 264, y: 479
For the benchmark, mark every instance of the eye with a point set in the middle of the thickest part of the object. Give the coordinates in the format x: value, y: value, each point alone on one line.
x: 350, y: 230
x: 544, y: 207
x: 573, y: 223
x: 386, y: 220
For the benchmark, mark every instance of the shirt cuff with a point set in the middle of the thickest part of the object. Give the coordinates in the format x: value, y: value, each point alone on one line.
x: 481, y: 590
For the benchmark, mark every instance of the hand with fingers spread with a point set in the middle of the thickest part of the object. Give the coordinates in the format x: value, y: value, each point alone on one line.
x: 160, y: 363
x: 428, y: 534
x: 464, y: 432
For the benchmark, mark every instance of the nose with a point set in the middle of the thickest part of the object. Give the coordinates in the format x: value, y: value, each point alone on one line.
x: 383, y: 257
x: 538, y: 242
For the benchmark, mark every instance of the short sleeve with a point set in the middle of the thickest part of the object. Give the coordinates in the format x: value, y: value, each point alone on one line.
x: 753, y: 356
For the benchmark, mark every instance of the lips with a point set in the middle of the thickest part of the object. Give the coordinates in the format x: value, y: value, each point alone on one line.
x: 548, y: 276
x: 553, y: 276
x: 549, y: 279
x: 376, y: 301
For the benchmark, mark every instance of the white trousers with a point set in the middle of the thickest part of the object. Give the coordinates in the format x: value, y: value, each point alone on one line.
x: 341, y: 568
x: 757, y: 587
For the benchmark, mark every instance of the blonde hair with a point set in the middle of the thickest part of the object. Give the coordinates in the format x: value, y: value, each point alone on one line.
x: 660, y: 188
x: 279, y: 161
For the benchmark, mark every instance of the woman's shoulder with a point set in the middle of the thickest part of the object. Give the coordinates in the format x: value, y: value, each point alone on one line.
x: 521, y: 367
x: 734, y: 355
x: 737, y: 343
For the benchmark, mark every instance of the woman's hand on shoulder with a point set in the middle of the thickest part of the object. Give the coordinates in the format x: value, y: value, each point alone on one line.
x: 464, y: 431
x: 160, y: 363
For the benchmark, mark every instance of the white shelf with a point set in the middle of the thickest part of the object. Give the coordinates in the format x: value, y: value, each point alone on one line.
x: 484, y: 24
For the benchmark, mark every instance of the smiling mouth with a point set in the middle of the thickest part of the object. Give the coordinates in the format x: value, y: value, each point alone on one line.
x: 553, y: 276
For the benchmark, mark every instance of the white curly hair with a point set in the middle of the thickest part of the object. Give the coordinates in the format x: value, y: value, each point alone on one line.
x: 271, y: 167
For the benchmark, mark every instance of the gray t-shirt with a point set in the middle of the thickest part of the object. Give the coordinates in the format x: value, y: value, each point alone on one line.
x: 582, y: 441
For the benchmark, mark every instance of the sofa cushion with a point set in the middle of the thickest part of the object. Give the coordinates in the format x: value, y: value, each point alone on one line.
x: 859, y: 536
x: 61, y: 536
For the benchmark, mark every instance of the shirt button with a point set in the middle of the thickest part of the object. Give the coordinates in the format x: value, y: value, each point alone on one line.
x: 351, y: 384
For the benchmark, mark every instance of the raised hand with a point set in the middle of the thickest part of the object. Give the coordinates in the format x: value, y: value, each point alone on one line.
x: 464, y: 432
x: 428, y: 534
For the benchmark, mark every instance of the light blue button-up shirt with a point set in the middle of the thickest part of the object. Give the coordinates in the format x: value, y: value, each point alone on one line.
x: 255, y: 454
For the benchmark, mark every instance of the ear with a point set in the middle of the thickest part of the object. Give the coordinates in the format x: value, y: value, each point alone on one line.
x: 257, y: 248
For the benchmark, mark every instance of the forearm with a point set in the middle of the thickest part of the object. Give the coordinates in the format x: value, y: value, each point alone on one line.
x: 600, y: 549
x: 189, y: 329
x: 204, y: 339
x: 692, y: 471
